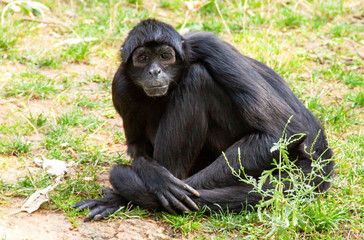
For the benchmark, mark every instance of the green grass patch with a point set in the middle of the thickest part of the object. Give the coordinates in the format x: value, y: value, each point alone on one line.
x: 14, y: 146
x: 31, y: 85
x: 317, y: 46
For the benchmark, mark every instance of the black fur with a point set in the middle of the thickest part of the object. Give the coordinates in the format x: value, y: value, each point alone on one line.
x: 221, y: 102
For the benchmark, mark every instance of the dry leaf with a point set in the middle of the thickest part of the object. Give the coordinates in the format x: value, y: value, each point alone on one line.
x: 53, y: 167
x: 38, y: 198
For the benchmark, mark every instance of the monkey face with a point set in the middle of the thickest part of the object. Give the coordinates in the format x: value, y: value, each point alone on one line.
x: 154, y: 67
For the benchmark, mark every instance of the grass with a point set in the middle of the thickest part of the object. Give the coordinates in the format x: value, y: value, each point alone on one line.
x: 15, y: 146
x: 55, y: 98
x: 285, y: 211
x: 31, y: 85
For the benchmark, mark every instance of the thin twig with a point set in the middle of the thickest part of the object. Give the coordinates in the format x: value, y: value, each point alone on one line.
x: 19, y: 2
x: 29, y: 122
x: 55, y: 23
x: 111, y: 24
x: 92, y: 134
x: 356, y: 49
x: 223, y: 22
x: 191, y: 9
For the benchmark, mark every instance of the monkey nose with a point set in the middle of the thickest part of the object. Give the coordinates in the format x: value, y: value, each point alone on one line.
x: 155, y: 71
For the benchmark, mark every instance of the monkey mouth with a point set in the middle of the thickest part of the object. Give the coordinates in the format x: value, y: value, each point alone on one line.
x: 156, y: 91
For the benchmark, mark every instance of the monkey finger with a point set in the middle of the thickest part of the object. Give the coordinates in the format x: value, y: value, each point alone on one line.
x: 94, y: 212
x: 165, y: 204
x: 191, y: 190
x: 107, y: 212
x: 190, y: 202
x: 84, y: 205
x: 183, y: 185
x: 184, y: 198
x: 176, y: 203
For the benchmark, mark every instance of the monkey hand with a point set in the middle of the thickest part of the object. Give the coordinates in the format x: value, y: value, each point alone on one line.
x: 171, y: 192
x: 101, y: 208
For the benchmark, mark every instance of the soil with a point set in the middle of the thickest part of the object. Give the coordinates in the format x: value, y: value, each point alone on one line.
x: 45, y: 224
x: 51, y: 225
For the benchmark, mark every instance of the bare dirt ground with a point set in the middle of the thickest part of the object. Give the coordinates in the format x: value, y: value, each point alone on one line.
x: 51, y: 225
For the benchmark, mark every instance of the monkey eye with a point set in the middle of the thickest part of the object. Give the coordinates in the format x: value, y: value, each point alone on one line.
x: 143, y: 58
x: 165, y: 56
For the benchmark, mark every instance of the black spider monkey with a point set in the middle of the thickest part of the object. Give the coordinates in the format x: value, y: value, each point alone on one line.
x: 186, y: 99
